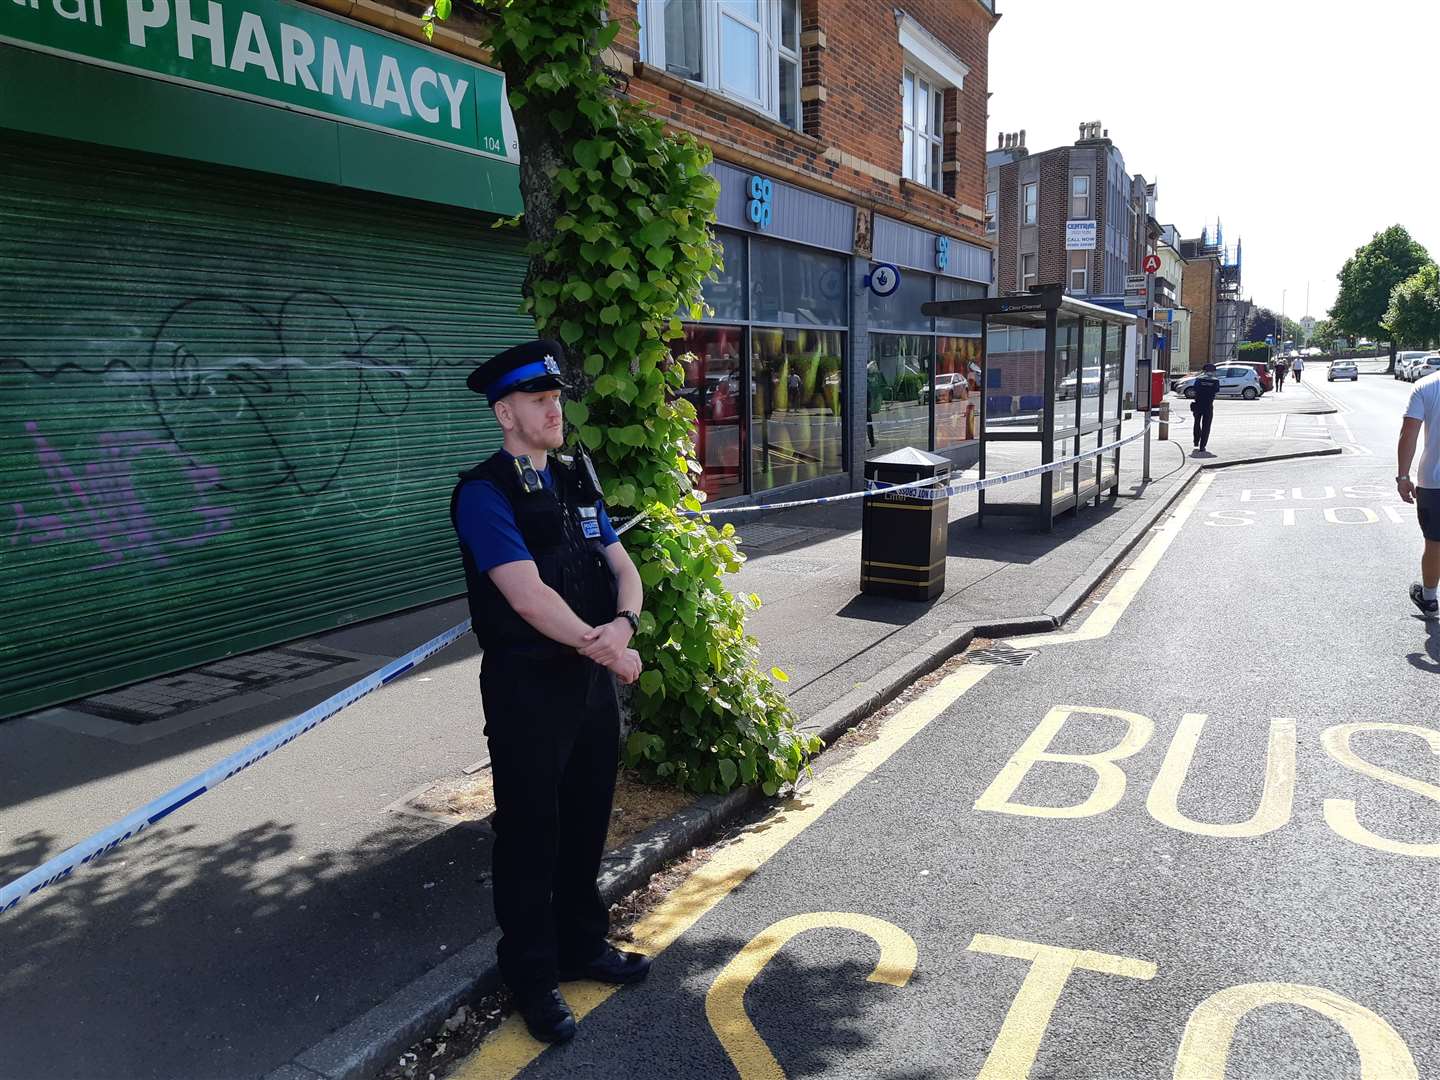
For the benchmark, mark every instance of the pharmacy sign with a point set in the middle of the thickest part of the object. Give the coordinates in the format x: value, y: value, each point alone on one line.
x: 284, y: 54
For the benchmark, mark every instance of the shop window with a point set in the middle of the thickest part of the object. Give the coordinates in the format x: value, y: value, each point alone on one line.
x: 725, y: 290
x: 712, y: 359
x: 798, y: 286
x: 901, y: 309
x: 897, y: 392
x: 797, y: 405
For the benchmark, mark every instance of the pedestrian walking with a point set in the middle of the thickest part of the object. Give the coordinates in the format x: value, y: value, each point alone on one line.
x: 554, y: 599
x: 1422, y: 416
x: 1280, y: 372
x: 1203, y: 407
x: 1297, y: 367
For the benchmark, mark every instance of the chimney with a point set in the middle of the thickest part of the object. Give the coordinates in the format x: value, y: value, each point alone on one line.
x: 1022, y: 138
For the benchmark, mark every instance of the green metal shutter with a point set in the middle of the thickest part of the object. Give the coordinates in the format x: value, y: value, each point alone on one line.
x: 232, y: 408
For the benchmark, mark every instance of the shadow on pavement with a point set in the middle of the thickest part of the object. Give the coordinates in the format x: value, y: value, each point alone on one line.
x: 219, y: 960
x: 1429, y: 660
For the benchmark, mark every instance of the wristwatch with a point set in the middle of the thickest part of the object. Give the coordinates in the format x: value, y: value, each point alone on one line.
x: 1402, y: 476
x: 631, y: 618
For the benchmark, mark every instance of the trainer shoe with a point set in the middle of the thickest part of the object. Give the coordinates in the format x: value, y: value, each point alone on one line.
x: 1429, y: 608
x: 546, y: 1016
x: 611, y: 966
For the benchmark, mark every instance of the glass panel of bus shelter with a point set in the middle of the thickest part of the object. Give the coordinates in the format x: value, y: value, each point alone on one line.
x: 1014, y: 376
x: 1064, y: 477
x: 1114, y: 392
x: 1067, y: 363
x: 1090, y: 377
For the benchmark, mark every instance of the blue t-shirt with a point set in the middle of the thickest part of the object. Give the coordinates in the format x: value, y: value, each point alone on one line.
x: 485, y: 521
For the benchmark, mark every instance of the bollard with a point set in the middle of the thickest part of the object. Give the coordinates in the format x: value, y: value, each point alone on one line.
x: 1164, y: 421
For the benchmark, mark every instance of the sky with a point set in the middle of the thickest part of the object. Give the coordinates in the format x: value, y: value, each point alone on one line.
x: 1305, y: 126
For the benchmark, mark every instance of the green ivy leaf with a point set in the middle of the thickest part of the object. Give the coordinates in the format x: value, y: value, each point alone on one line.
x: 728, y: 773
x: 571, y: 331
x: 576, y: 412
x: 652, y: 682
x: 778, y: 675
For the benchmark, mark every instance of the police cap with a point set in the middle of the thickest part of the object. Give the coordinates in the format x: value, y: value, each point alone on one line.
x: 530, y: 368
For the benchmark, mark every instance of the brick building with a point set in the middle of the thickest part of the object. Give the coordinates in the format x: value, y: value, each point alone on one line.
x: 862, y: 126
x: 1033, y: 201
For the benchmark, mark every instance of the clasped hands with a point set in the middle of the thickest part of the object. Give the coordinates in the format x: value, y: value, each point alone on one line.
x: 609, y: 646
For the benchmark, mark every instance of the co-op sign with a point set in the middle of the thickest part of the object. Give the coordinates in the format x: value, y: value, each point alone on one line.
x: 281, y: 54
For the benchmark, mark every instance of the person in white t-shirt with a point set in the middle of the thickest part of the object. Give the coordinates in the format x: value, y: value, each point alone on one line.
x: 1423, y: 412
x: 1297, y: 367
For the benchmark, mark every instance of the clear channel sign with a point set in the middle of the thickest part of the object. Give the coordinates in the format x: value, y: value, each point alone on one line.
x: 284, y: 54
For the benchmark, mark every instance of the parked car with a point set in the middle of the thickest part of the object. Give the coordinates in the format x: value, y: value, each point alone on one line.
x: 1403, y: 359
x: 1267, y: 378
x: 1426, y: 365
x: 1342, y: 369
x: 947, y: 386
x: 1235, y: 381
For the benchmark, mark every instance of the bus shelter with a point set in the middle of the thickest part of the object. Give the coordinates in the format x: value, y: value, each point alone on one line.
x: 1053, y: 389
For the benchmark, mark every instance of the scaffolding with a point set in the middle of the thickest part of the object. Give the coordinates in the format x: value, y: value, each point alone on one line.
x: 1231, y: 312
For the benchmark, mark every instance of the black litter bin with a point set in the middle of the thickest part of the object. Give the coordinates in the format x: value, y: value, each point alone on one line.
x: 902, y: 539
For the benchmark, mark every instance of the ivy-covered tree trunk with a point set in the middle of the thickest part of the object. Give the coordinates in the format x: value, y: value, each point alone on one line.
x: 619, y: 216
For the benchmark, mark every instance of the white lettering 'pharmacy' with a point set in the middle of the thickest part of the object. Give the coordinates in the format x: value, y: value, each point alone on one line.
x: 297, y: 56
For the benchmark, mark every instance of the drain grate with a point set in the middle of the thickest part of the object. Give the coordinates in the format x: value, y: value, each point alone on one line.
x: 1001, y: 654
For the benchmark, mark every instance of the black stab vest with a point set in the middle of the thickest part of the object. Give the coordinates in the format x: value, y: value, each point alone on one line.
x: 569, y: 562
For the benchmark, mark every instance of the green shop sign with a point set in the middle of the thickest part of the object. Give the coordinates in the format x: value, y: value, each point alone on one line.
x: 284, y: 54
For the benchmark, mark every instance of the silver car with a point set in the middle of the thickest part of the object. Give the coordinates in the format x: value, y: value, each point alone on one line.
x: 1343, y: 369
x: 1235, y: 381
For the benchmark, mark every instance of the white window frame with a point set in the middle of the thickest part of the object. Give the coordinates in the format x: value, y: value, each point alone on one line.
x: 1083, y: 289
x: 926, y: 141
x: 926, y: 59
x: 773, y: 50
x: 1077, y: 215
x: 992, y: 210
x: 1032, y: 260
x: 1030, y: 208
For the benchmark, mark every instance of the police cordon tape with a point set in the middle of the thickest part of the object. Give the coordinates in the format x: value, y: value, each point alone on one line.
x: 873, y: 489
x: 130, y: 826
x: 108, y: 839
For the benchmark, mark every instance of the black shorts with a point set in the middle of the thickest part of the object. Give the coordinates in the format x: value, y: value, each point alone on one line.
x: 1427, y: 509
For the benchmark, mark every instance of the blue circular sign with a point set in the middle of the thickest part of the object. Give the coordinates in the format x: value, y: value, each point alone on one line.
x: 884, y: 279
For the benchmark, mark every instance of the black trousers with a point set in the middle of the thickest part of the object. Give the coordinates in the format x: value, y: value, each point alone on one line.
x: 553, y: 727
x: 1204, y: 414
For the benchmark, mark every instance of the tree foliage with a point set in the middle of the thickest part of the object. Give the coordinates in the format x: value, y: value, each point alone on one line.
x: 1413, y: 317
x: 618, y: 214
x: 1264, y: 321
x: 1369, y: 277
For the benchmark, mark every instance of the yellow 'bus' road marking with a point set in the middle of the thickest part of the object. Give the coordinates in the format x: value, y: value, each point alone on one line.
x: 510, y: 1048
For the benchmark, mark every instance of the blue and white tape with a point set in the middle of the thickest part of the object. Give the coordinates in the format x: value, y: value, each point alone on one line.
x: 108, y: 839
x: 132, y: 825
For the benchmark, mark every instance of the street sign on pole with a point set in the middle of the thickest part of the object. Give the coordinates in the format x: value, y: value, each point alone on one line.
x: 1152, y: 263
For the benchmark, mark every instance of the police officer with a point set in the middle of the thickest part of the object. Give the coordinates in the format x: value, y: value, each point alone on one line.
x: 554, y: 599
x: 1206, y: 387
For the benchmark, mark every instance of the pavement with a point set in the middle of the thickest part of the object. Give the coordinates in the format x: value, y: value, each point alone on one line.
x: 1194, y: 835
x: 296, y: 920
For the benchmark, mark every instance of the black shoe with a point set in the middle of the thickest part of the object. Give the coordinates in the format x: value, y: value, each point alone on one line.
x: 611, y: 966
x: 546, y: 1016
x: 1429, y: 608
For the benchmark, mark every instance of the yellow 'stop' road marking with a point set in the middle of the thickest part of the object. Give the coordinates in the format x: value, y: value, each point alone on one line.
x: 510, y: 1049
x: 1103, y: 619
